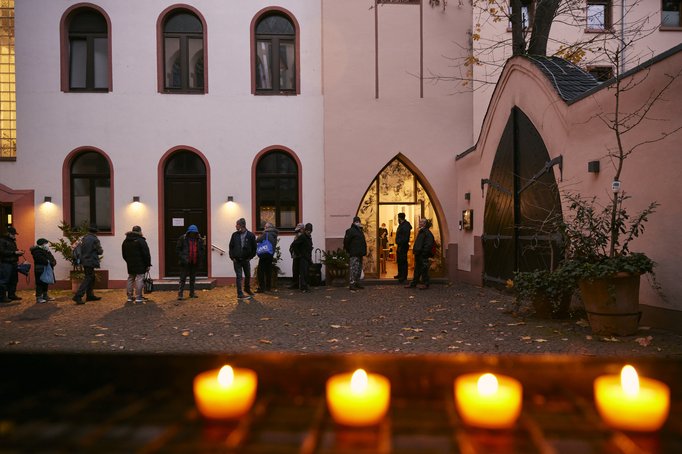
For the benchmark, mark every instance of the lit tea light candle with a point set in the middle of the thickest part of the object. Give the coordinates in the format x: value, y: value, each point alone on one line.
x: 488, y: 401
x: 358, y: 399
x: 225, y: 393
x: 630, y: 402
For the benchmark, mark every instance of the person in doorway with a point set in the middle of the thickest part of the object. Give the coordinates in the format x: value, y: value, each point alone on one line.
x: 135, y: 251
x: 383, y: 245
x: 91, y: 249
x: 402, y: 241
x: 42, y: 256
x: 355, y: 244
x: 302, y: 249
x: 295, y: 258
x: 422, y: 249
x: 190, y: 249
x: 9, y: 257
x: 265, y: 262
x: 242, y: 249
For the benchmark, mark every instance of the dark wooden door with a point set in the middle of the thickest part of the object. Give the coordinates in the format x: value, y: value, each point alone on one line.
x: 522, y: 205
x: 184, y: 204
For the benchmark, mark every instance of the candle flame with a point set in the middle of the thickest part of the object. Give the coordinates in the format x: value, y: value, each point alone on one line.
x: 358, y: 382
x: 487, y: 385
x: 629, y: 380
x: 226, y: 376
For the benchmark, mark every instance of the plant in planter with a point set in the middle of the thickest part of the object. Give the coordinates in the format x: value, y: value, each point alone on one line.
x: 547, y: 292
x: 599, y: 258
x: 336, y: 264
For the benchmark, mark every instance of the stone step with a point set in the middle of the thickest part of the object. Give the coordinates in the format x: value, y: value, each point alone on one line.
x: 170, y: 283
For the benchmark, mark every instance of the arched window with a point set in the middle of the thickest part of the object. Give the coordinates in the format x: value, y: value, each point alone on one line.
x: 275, y: 55
x: 183, y: 53
x: 277, y: 190
x: 88, y: 51
x: 91, y: 191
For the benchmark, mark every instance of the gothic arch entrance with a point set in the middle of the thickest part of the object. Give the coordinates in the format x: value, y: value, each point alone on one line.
x: 396, y: 189
x: 522, y: 203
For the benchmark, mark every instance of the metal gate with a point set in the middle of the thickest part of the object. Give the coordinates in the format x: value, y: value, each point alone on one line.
x: 522, y: 205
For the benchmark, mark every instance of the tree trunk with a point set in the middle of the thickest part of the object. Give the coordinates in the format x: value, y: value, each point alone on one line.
x: 542, y: 24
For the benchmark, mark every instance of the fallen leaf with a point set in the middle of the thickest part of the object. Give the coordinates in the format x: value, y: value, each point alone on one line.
x: 493, y: 301
x: 332, y: 341
x: 582, y: 322
x: 416, y: 330
x: 589, y: 338
x: 610, y: 339
x: 185, y: 333
x: 264, y: 341
x: 266, y: 318
x: 100, y: 335
x: 644, y: 341
x: 335, y: 326
x: 516, y: 324
x: 13, y: 342
x: 526, y: 338
x: 539, y: 340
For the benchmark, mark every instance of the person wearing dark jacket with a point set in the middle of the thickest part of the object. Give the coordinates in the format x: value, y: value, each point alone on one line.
x: 422, y: 249
x: 265, y: 262
x: 302, y: 248
x: 295, y: 258
x: 9, y: 257
x: 41, y: 258
x: 355, y: 244
x: 242, y: 249
x: 91, y: 249
x: 135, y: 251
x: 190, y: 249
x: 402, y: 240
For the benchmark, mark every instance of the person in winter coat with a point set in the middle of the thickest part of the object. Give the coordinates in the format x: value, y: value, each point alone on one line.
x: 91, y: 249
x: 302, y: 249
x: 135, y: 251
x: 295, y: 258
x: 9, y: 257
x: 422, y: 249
x: 265, y: 262
x: 355, y: 244
x: 190, y: 249
x: 41, y: 258
x: 242, y: 249
x: 402, y: 240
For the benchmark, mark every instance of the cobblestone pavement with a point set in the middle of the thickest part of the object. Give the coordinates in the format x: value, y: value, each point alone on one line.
x: 380, y: 318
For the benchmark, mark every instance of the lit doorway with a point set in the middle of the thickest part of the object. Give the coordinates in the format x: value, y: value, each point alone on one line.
x: 396, y: 189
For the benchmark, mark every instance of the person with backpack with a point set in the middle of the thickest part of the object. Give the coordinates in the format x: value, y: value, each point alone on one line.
x: 9, y: 257
x: 87, y: 253
x: 423, y: 251
x: 42, y: 257
x: 355, y: 244
x: 269, y: 234
x: 135, y: 251
x: 190, y: 249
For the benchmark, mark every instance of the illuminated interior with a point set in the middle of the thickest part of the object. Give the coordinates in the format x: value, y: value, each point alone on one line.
x: 8, y: 107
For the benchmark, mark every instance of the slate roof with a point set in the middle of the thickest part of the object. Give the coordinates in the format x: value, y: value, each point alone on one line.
x: 569, y: 80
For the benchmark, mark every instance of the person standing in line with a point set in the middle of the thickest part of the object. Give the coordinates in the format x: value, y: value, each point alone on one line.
x: 135, y: 251
x: 190, y: 249
x: 9, y: 257
x: 295, y: 257
x: 383, y: 245
x: 303, y: 249
x: 91, y: 249
x: 422, y: 249
x: 242, y: 249
x: 41, y: 258
x: 402, y: 240
x: 265, y: 262
x: 355, y: 244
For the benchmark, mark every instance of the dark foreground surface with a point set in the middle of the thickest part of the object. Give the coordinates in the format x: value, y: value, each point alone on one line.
x: 380, y: 319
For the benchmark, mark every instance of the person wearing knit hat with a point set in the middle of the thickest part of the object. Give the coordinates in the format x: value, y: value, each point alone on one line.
x: 190, y: 249
x: 42, y: 258
x: 90, y: 252
x: 135, y: 252
x: 355, y: 244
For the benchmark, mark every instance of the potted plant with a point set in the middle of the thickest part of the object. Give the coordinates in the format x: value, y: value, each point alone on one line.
x: 336, y: 263
x: 547, y: 292
x: 599, y: 257
x: 71, y: 236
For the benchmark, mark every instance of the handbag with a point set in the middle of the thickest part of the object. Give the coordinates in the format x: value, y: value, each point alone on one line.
x: 24, y: 268
x: 47, y: 276
x: 148, y: 283
x: 264, y: 248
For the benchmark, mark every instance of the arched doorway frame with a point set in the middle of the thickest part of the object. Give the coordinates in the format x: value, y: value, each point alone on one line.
x: 162, y: 206
x: 441, y: 221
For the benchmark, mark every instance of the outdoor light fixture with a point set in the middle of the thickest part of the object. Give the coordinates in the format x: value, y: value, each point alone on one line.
x: 467, y: 196
x: 593, y: 166
x: 230, y: 198
x: 136, y: 198
x: 47, y: 199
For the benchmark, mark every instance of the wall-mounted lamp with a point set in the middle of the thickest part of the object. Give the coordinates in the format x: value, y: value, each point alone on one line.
x: 136, y: 198
x: 230, y: 198
x: 47, y: 199
x: 593, y: 166
x: 467, y: 196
